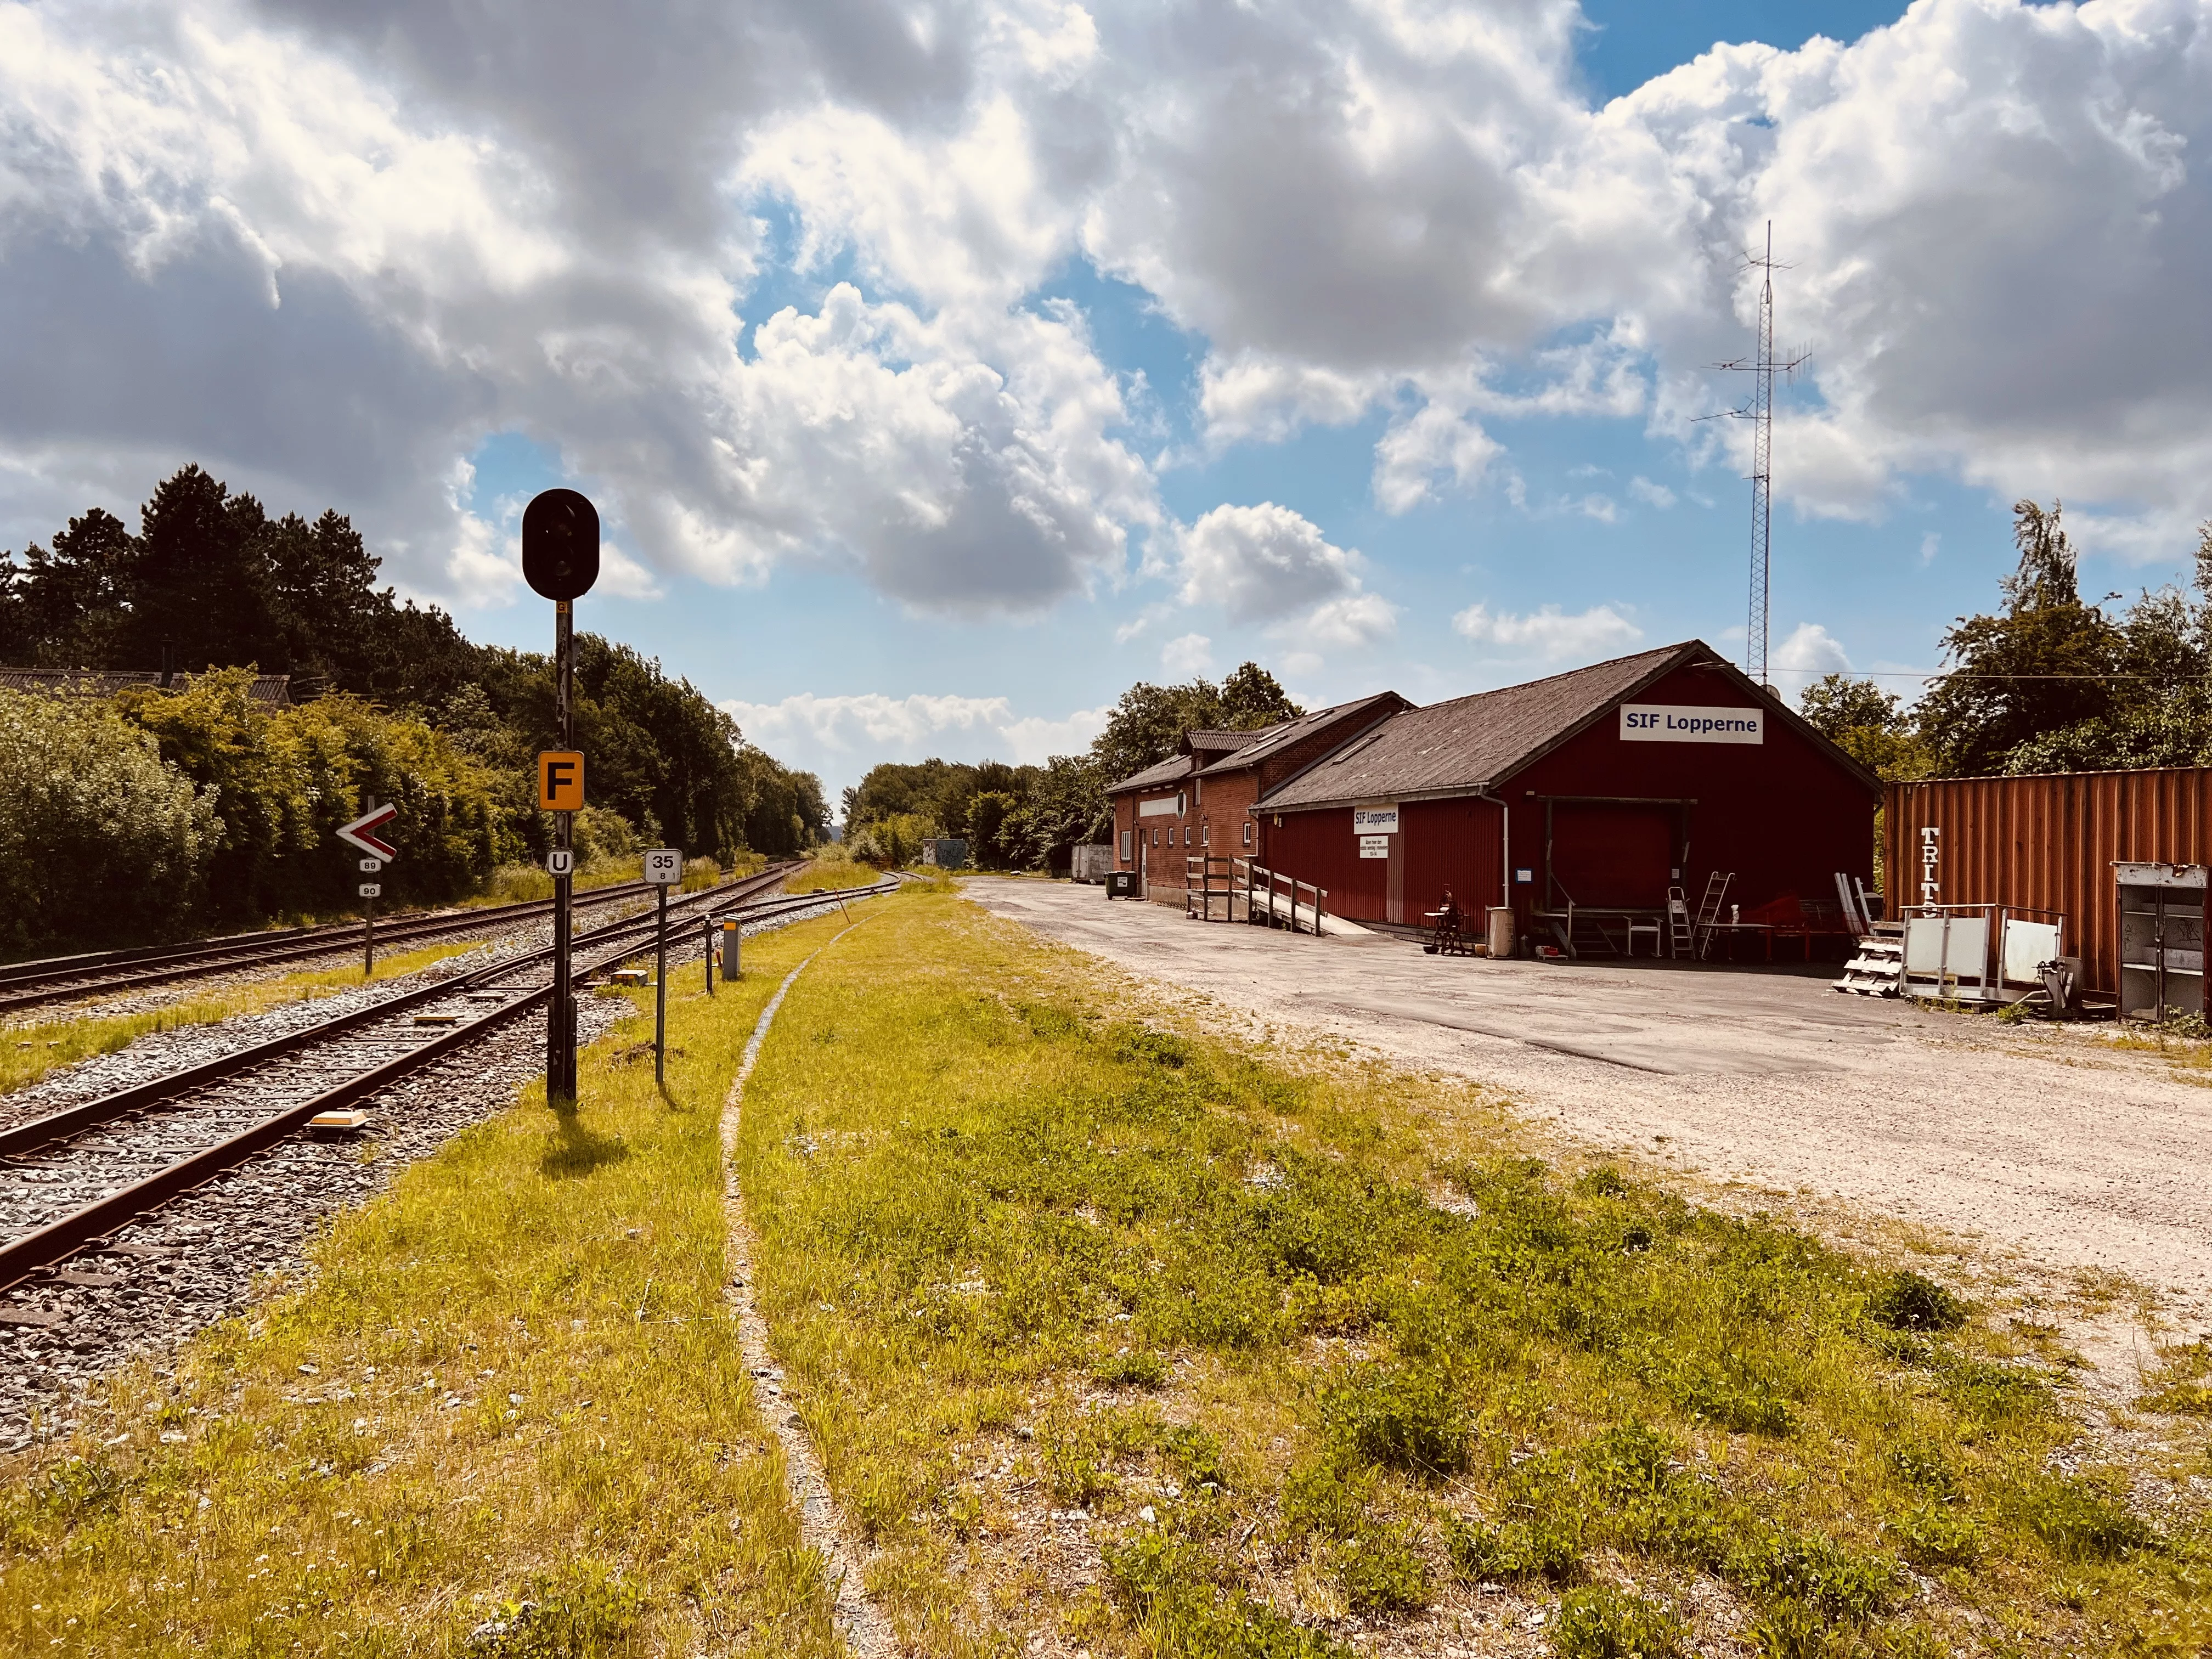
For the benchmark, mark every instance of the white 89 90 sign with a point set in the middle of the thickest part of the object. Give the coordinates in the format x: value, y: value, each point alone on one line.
x: 663, y: 866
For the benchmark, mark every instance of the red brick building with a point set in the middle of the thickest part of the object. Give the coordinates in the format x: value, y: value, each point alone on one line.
x: 1201, y: 799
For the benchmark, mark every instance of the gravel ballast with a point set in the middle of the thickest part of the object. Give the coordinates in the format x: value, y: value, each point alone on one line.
x: 202, y: 1256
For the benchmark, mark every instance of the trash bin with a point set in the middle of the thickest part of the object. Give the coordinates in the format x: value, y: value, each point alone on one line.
x: 1501, y: 930
x: 1121, y: 883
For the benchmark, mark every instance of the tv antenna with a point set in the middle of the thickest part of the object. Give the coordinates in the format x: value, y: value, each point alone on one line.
x: 1762, y: 367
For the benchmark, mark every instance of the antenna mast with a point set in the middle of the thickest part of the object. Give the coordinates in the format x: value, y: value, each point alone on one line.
x: 1760, y: 411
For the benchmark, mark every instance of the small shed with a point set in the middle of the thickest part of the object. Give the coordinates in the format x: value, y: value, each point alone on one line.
x: 944, y: 853
x: 1583, y: 801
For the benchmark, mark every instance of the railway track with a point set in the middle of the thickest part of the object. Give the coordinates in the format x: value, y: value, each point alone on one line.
x: 83, y: 1173
x: 103, y: 973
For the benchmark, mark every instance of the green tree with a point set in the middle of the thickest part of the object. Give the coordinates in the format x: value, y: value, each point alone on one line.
x: 1149, y: 721
x: 1870, y: 724
x: 282, y: 780
x: 990, y: 819
x: 89, y: 810
x: 2042, y: 664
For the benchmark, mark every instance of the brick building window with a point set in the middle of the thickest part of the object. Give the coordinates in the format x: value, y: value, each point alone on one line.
x: 1156, y: 838
x: 1247, y: 832
x: 1126, y: 839
x: 1206, y: 835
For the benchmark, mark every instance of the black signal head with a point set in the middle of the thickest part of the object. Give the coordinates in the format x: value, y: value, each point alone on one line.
x: 560, y: 544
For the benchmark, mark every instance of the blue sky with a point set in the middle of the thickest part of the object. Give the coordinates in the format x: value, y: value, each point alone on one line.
x: 937, y: 385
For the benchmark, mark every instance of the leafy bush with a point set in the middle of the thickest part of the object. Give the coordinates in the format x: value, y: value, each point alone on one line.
x: 1132, y: 1369
x: 578, y: 1613
x: 1163, y: 1581
x: 1380, y: 1570
x: 2080, y: 1524
x: 1407, y: 1417
x: 1938, y: 1537
x: 1546, y: 1546
x: 1906, y: 1301
x: 282, y: 781
x: 1603, y: 1622
x: 89, y: 810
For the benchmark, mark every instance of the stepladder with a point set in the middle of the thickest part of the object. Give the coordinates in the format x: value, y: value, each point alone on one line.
x: 1681, y: 942
x: 1708, y: 909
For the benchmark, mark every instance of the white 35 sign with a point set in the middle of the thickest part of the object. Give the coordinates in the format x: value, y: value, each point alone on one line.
x: 663, y: 866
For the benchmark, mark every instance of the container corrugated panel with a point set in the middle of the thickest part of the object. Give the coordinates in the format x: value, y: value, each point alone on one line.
x: 2046, y: 843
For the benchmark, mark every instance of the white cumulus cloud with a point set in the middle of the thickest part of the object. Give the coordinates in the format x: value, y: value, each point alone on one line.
x: 1548, y: 633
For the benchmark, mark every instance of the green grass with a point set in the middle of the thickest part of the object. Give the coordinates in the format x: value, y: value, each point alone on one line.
x: 510, y: 1400
x: 1024, y: 1252
x: 832, y: 870
x: 27, y: 1053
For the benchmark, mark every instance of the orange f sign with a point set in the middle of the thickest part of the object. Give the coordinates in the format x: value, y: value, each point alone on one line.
x: 560, y: 781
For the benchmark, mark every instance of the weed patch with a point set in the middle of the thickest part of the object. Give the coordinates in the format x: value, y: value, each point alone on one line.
x: 1603, y: 1622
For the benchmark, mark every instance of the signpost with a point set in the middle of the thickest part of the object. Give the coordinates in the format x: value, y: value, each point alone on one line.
x: 663, y: 868
x: 362, y: 833
x: 561, y: 561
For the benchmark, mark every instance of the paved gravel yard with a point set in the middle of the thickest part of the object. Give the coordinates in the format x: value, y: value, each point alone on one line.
x: 2042, y: 1144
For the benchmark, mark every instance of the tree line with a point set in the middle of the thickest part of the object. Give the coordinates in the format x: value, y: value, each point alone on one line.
x: 2048, y: 682
x: 212, y: 808
x: 1032, y: 816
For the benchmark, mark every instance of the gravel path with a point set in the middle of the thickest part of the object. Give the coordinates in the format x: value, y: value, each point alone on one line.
x: 201, y: 1258
x: 2044, y: 1147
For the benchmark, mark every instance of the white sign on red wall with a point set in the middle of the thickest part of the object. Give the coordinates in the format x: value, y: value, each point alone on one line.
x: 1663, y: 722
x: 1375, y: 846
x: 1375, y: 820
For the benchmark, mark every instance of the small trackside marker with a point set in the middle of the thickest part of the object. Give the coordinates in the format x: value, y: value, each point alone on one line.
x: 349, y: 1122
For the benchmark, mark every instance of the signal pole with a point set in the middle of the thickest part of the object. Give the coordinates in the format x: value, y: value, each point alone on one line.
x: 561, y: 1022
x: 561, y: 561
x: 1761, y: 366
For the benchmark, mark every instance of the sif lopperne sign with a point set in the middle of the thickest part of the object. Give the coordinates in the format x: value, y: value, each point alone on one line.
x: 1659, y: 722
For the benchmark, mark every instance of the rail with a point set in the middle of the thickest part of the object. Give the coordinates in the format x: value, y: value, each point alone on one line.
x: 57, y: 1241
x: 103, y: 973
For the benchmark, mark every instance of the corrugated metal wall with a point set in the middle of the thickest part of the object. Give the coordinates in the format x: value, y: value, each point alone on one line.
x: 2048, y: 841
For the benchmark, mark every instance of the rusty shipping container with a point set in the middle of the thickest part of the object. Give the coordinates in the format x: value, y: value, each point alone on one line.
x: 2048, y: 843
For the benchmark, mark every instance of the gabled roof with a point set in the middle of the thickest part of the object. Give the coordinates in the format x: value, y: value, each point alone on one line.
x: 270, y: 690
x: 1219, y: 743
x: 1173, y: 770
x: 1207, y: 751
x: 1472, y: 743
x: 1273, y: 739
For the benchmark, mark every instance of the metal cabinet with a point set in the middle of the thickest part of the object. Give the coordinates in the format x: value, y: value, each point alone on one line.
x: 2162, y: 939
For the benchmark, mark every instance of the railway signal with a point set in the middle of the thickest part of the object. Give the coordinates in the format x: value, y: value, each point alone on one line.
x: 362, y: 833
x: 561, y: 561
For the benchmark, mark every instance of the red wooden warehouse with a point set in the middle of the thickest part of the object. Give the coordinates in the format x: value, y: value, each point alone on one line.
x: 1581, y: 801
